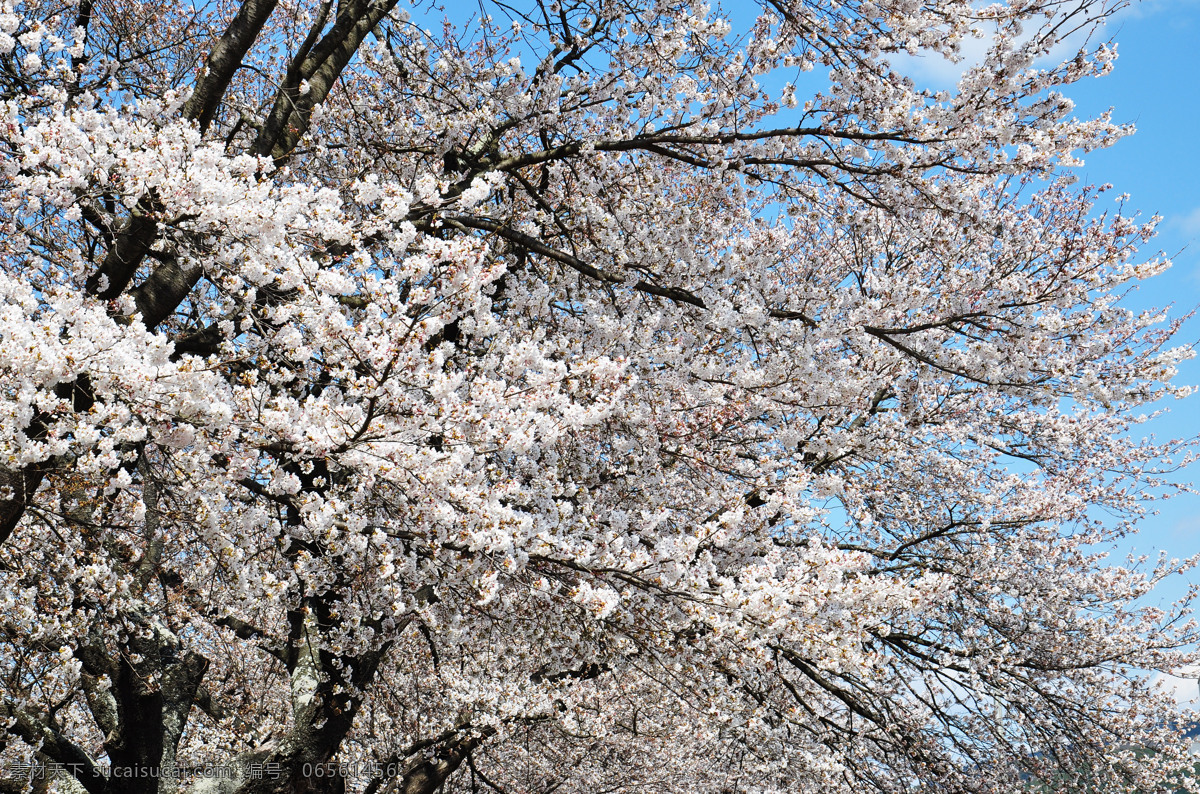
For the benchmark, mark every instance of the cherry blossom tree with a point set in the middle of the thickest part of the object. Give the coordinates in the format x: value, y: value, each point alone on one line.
x: 605, y: 395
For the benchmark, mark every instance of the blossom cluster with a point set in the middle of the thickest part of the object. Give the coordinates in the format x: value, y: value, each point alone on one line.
x: 561, y: 400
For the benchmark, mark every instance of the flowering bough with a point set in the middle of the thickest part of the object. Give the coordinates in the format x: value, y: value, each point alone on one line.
x: 558, y: 401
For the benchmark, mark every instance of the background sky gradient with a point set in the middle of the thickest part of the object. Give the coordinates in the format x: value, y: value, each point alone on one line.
x: 1155, y: 86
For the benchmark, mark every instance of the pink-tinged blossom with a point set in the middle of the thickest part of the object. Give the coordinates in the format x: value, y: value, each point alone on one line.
x: 574, y: 400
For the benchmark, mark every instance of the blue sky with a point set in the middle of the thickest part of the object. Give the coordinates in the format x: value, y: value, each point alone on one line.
x: 1156, y: 87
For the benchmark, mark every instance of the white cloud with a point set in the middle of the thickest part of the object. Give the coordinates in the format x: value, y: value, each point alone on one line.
x: 1185, y: 691
x: 1148, y: 8
x: 934, y: 70
x: 1188, y: 224
x: 938, y: 71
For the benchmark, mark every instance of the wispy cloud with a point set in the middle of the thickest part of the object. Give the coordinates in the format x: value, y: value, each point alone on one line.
x: 1149, y: 8
x: 935, y: 70
x: 1187, y: 225
x: 1184, y: 691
